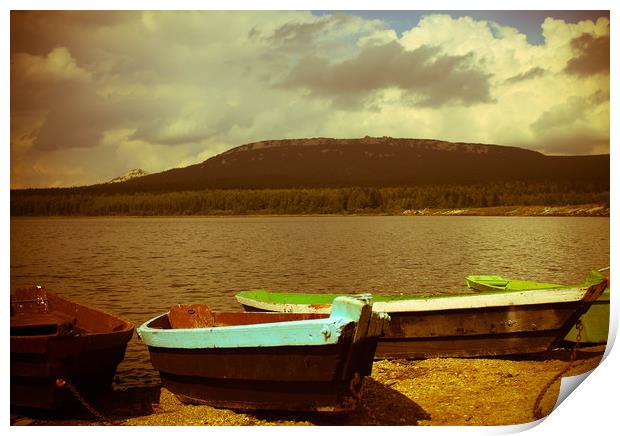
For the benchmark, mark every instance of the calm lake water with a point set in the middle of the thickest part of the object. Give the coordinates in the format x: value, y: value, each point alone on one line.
x: 139, y: 267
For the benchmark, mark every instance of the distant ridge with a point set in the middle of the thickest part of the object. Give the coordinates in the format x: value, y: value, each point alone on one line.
x: 420, y: 144
x: 368, y: 161
x: 346, y: 176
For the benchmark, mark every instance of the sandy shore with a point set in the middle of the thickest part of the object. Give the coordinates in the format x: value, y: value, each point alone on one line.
x: 399, y: 392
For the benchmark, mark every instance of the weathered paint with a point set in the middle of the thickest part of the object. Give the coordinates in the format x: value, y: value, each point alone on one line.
x: 595, y: 322
x: 517, y: 294
x: 459, y: 301
x: 467, y: 325
x: 345, y: 310
x: 246, y: 361
x: 499, y: 283
x: 325, y: 378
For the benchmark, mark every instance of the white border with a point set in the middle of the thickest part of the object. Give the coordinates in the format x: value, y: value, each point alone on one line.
x: 592, y: 410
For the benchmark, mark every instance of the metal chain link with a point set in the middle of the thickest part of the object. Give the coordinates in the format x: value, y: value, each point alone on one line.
x: 537, y: 405
x: 61, y: 383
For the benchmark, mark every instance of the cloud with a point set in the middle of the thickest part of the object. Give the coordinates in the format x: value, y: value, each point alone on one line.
x: 325, y: 32
x: 60, y: 96
x: 574, y: 126
x: 58, y: 65
x: 530, y: 74
x: 101, y: 92
x: 302, y: 34
x: 433, y: 79
x: 593, y: 55
x: 79, y: 122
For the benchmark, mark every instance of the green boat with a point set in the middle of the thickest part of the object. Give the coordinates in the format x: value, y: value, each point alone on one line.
x: 595, y: 321
x: 499, y: 283
x: 493, y: 322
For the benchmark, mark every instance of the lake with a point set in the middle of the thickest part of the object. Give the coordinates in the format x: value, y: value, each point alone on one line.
x: 139, y: 267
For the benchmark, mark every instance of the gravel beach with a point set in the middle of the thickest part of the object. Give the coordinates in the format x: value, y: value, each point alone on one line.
x: 443, y: 391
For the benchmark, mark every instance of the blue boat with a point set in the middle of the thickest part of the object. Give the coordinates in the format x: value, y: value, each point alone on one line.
x: 263, y: 360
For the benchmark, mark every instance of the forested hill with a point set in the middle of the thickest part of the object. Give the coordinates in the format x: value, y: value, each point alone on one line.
x: 378, y: 162
x: 321, y: 175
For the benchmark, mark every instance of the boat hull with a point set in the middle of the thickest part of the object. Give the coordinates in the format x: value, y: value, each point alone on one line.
x: 495, y: 331
x: 256, y: 378
x: 595, y: 323
x: 86, y: 365
x: 266, y: 360
x: 86, y: 359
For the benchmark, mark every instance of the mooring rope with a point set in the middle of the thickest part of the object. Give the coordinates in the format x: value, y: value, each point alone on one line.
x: 537, y: 404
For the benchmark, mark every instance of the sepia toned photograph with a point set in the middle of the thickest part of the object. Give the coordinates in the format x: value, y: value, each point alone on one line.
x: 306, y: 217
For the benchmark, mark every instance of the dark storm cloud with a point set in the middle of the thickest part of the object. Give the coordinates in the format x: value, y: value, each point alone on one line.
x: 433, y: 78
x: 593, y: 55
x: 530, y: 74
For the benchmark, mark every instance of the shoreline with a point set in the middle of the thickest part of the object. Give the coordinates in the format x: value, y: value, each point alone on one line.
x: 430, y: 392
x: 579, y: 210
x: 582, y: 210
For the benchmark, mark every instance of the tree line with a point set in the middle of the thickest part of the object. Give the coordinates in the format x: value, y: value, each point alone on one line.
x: 350, y: 200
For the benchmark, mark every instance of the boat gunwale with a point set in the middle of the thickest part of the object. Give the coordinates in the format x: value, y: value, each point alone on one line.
x: 321, y: 331
x: 432, y: 303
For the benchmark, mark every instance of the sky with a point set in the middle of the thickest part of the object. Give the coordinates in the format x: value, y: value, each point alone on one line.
x: 97, y: 93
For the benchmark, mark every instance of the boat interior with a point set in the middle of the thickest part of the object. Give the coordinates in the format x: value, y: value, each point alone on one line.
x: 183, y: 316
x: 35, y: 312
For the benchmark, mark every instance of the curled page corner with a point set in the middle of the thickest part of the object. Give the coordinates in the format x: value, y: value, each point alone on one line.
x: 569, y: 384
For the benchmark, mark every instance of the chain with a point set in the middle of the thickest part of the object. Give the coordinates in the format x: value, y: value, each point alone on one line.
x: 537, y: 408
x: 61, y: 383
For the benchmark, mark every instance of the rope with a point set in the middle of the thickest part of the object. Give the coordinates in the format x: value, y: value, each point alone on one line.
x: 537, y: 404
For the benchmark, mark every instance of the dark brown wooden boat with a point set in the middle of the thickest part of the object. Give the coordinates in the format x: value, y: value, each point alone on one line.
x: 278, y: 361
x: 57, y: 344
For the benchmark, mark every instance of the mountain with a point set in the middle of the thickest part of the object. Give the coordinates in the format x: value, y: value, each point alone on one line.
x: 369, y: 161
x: 132, y: 174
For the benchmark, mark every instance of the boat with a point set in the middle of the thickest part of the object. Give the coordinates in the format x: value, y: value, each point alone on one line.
x: 499, y: 283
x: 58, y: 345
x: 266, y: 361
x: 595, y: 322
x: 491, y: 323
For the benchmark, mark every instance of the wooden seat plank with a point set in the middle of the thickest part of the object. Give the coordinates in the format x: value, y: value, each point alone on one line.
x: 54, y: 321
